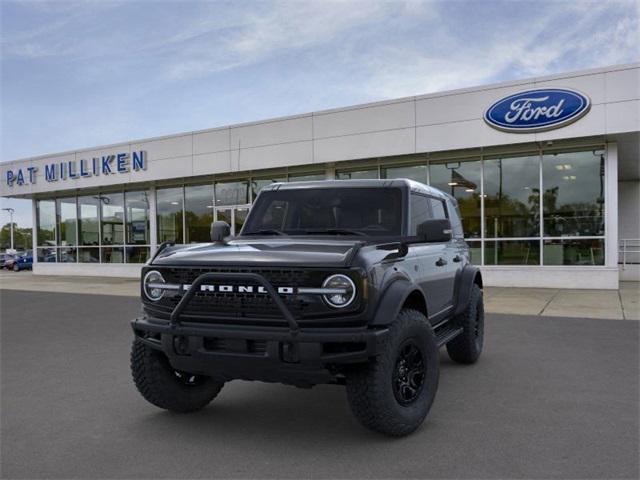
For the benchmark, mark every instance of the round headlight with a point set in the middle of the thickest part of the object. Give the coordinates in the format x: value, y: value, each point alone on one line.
x: 151, y: 283
x: 343, y: 291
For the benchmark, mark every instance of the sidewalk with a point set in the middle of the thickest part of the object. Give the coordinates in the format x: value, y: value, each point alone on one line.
x: 623, y: 304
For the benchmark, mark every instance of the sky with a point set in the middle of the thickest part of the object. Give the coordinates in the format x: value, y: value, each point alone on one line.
x: 87, y: 73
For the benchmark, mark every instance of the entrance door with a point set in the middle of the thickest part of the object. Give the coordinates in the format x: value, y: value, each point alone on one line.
x: 235, y: 216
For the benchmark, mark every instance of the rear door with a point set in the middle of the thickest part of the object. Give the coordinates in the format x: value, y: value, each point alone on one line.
x: 450, y: 260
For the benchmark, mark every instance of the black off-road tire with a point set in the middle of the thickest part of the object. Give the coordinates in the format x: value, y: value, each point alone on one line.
x: 164, y: 387
x: 372, y: 389
x: 467, y: 347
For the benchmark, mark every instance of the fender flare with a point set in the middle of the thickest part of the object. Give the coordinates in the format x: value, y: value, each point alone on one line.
x: 392, y: 300
x: 469, y: 276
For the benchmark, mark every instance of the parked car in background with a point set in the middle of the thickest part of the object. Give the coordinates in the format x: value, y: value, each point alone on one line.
x: 23, y: 262
x: 7, y: 260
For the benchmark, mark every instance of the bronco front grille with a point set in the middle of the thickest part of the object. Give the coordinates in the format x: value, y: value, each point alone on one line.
x: 234, y: 307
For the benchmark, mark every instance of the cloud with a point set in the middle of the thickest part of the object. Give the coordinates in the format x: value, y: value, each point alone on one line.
x: 556, y: 40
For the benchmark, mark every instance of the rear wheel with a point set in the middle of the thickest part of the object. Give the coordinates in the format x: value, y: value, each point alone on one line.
x: 467, y: 347
x: 163, y: 386
x: 394, y: 393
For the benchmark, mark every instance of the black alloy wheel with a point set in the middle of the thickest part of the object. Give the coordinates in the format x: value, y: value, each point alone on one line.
x: 408, y: 374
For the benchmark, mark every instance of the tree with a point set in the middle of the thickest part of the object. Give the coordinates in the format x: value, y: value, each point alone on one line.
x: 21, y: 237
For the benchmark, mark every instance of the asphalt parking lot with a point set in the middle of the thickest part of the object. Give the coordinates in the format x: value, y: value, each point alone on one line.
x: 550, y: 398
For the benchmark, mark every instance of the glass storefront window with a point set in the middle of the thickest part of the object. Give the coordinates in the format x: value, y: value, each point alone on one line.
x: 475, y: 251
x: 307, y: 177
x: 369, y: 173
x: 462, y: 181
x: 169, y: 208
x: 112, y: 218
x: 46, y: 218
x: 198, y: 212
x: 67, y: 255
x: 512, y: 252
x: 413, y: 172
x: 89, y: 255
x: 232, y: 193
x: 258, y: 184
x: 573, y: 252
x: 88, y: 227
x: 47, y: 254
x: 137, y: 218
x: 512, y: 197
x: 67, y: 221
x: 112, y: 255
x: 573, y: 198
x: 137, y: 254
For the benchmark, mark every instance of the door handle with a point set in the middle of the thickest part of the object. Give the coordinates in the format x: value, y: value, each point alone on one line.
x: 441, y: 262
x: 457, y: 258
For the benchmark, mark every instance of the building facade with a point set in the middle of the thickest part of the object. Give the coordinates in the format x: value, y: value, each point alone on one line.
x: 546, y: 172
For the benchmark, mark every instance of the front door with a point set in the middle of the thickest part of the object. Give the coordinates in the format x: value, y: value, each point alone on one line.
x: 235, y: 216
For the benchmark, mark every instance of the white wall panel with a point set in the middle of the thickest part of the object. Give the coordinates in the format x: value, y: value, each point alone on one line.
x: 623, y: 85
x: 551, y: 277
x: 299, y: 153
x: 211, y: 141
x: 167, y: 168
x: 593, y: 123
x: 271, y: 133
x: 592, y: 85
x: 623, y: 116
x: 166, y: 147
x: 367, y: 119
x: 210, y: 163
x: 462, y: 107
x: 379, y: 144
x: 469, y: 134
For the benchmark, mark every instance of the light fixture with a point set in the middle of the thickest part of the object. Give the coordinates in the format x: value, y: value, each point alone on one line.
x: 175, y: 203
x: 452, y: 184
x: 469, y: 190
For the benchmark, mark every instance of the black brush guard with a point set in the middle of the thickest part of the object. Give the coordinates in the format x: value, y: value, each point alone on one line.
x: 255, y: 277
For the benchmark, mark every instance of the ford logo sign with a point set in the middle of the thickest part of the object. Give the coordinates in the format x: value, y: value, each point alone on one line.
x: 537, y: 110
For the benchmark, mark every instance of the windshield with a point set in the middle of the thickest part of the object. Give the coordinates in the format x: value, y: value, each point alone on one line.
x: 335, y: 211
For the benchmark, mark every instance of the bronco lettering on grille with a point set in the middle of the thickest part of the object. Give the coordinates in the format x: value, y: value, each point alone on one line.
x: 240, y: 289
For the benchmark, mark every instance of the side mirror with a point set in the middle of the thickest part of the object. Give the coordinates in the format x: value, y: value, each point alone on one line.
x: 436, y: 230
x: 219, y: 231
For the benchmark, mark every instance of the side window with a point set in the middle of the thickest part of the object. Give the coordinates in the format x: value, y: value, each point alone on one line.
x: 420, y: 212
x: 439, y: 210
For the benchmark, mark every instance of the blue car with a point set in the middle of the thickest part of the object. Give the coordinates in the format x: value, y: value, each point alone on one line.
x: 23, y: 262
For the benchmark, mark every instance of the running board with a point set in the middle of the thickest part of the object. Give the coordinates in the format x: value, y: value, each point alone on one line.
x: 447, y: 333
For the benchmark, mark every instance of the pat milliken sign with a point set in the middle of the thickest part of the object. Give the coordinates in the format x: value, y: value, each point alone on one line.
x: 105, y: 165
x: 537, y: 110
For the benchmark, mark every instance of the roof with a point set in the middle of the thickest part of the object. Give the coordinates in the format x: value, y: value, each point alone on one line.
x: 364, y: 183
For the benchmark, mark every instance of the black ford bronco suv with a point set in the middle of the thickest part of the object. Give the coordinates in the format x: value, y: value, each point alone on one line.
x: 357, y: 283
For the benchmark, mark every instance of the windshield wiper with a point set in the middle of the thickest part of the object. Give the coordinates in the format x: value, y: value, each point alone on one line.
x: 267, y: 231
x: 336, y: 231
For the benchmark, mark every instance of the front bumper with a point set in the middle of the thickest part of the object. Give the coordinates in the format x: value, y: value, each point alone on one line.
x: 272, y: 354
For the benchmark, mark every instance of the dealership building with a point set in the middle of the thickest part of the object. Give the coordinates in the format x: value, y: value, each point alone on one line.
x: 546, y: 172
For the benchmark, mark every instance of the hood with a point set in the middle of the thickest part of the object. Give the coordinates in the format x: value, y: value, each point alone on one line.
x: 263, y: 252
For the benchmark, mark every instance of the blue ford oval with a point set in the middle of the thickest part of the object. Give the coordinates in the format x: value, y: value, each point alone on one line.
x: 537, y: 110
